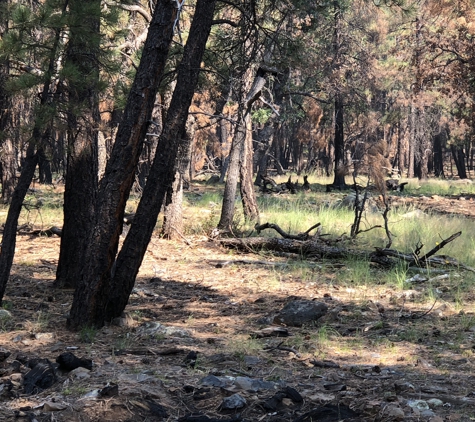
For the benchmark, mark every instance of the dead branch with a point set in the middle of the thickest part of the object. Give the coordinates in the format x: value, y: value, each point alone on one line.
x: 285, y: 235
x: 438, y: 247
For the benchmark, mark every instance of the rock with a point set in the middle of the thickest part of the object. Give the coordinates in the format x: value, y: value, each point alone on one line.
x: 418, y: 404
x: 50, y: 406
x: 4, y: 354
x: 433, y: 403
x: 298, y: 312
x: 80, y: 373
x: 155, y: 328
x: 44, y: 336
x: 394, y: 412
x: 110, y: 390
x: 233, y: 402
x: 4, y: 314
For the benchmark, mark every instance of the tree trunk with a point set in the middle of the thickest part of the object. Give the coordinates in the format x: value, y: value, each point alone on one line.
x: 240, y: 157
x: 439, y: 140
x: 7, y: 150
x: 230, y: 188
x: 9, y: 231
x: 248, y: 194
x: 106, y: 284
x: 44, y: 167
x: 459, y: 159
x: 92, y: 292
x: 340, y: 169
x: 163, y: 168
x: 173, y: 215
x: 82, y: 161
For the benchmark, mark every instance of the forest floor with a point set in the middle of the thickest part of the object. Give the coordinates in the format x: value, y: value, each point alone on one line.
x: 381, y: 353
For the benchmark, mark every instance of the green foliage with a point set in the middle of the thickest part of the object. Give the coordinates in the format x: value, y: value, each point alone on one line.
x: 261, y: 115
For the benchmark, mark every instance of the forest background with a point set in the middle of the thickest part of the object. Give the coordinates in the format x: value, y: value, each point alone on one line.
x: 114, y: 96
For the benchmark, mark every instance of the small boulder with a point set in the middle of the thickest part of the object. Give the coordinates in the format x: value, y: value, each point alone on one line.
x: 299, y: 312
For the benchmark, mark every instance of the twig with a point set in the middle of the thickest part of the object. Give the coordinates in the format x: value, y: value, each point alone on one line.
x: 284, y: 348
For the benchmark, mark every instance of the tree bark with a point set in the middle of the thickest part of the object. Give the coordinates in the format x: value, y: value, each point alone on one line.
x: 82, y: 153
x: 92, y: 293
x: 106, y: 284
x: 339, y: 141
x: 173, y: 215
x: 7, y: 150
x: 459, y: 159
x: 438, y: 142
x: 248, y: 194
x: 163, y: 168
x: 240, y: 157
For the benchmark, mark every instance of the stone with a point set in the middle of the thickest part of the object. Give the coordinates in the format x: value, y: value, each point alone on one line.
x: 233, y: 402
x: 299, y: 312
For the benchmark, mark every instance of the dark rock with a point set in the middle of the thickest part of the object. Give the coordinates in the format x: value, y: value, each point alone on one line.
x: 236, y: 401
x: 110, y: 390
x: 273, y: 403
x: 299, y: 312
x: 39, y: 378
x: 293, y: 394
x: 4, y: 354
x: 190, y: 360
x: 69, y: 361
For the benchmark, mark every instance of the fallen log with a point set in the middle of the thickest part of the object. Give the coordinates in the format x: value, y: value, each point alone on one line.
x: 313, y: 247
x: 304, y: 248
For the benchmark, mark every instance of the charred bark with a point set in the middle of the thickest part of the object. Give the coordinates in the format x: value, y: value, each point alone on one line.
x: 7, y: 149
x: 459, y: 159
x: 92, y: 293
x: 82, y: 153
x: 162, y: 172
x: 106, y: 284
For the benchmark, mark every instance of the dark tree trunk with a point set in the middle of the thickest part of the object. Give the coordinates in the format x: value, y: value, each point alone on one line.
x: 9, y: 231
x: 106, y: 284
x: 266, y: 140
x: 162, y: 172
x: 7, y: 149
x: 82, y: 160
x: 92, y: 293
x: 339, y: 142
x: 439, y: 141
x: 459, y: 159
x: 44, y: 167
x: 150, y: 146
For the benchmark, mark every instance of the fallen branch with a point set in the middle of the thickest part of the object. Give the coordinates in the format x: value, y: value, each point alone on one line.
x: 285, y: 235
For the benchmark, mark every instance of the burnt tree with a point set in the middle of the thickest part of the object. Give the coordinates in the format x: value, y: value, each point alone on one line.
x: 92, y: 291
x: 82, y: 54
x: 107, y: 282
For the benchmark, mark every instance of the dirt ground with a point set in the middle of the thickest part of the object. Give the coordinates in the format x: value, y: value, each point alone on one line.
x: 379, y: 354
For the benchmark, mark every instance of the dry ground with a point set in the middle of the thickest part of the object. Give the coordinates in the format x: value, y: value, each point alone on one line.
x: 390, y: 346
